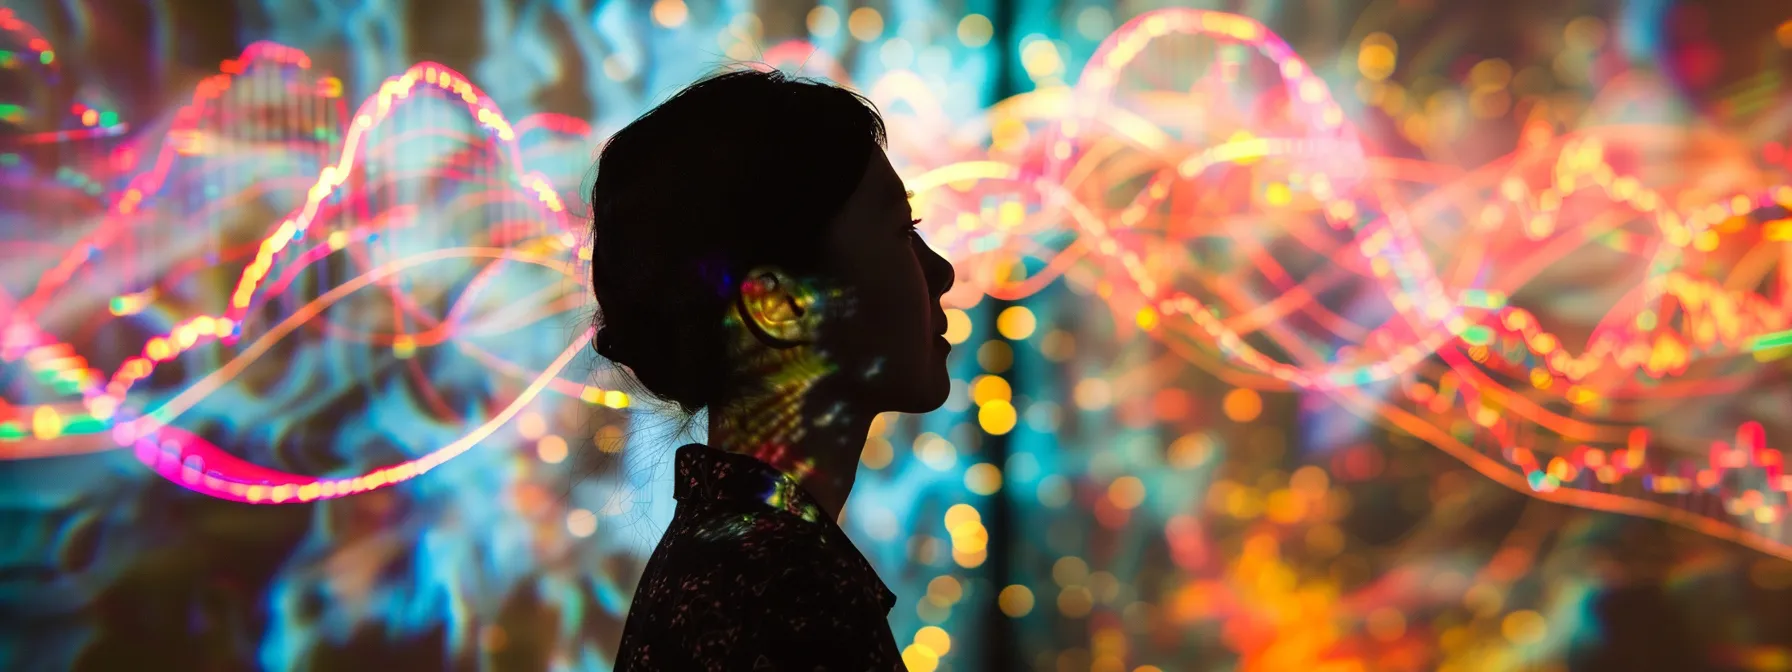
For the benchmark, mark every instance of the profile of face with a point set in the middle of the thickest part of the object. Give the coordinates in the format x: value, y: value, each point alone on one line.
x: 878, y: 323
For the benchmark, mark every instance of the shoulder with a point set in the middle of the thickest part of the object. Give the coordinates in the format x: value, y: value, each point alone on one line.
x: 719, y: 559
x: 738, y: 585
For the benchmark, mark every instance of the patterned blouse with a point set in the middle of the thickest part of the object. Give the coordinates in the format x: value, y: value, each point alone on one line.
x: 751, y: 575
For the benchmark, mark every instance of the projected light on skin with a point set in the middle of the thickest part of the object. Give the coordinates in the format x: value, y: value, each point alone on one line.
x: 1448, y: 308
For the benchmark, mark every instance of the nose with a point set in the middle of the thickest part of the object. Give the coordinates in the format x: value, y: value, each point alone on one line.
x: 939, y: 272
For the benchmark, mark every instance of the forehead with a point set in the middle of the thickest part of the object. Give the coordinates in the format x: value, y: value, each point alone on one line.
x: 880, y: 189
x: 883, y: 179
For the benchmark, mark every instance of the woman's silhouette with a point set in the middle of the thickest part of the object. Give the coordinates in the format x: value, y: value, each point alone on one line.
x: 755, y: 255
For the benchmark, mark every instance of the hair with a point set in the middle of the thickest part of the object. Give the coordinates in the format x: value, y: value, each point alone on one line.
x: 740, y: 169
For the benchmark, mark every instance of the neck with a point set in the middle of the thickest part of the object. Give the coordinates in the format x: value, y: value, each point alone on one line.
x: 800, y: 432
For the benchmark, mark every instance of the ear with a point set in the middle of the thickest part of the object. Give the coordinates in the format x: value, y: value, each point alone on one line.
x: 778, y: 308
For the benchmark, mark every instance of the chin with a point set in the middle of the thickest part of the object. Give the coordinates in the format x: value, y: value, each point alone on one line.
x: 938, y: 387
x: 925, y: 396
x: 937, y: 397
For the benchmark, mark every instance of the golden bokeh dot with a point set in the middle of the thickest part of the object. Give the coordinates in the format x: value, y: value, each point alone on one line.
x: 945, y: 589
x: 1492, y: 72
x: 1058, y: 345
x: 608, y: 439
x: 1147, y: 318
x: 925, y: 550
x: 823, y: 21
x: 1016, y: 601
x: 970, y: 538
x: 865, y: 23
x: 1242, y: 404
x: 974, y: 30
x: 1016, y: 323
x: 1278, y: 194
x: 1309, y: 480
x: 581, y: 523
x: 1190, y: 450
x: 919, y: 658
x: 969, y: 559
x: 1040, y: 58
x: 1585, y: 33
x: 530, y: 425
x: 877, y: 453
x: 1075, y: 602
x: 985, y: 389
x: 1092, y: 394
x: 880, y: 423
x: 1070, y: 571
x: 551, y: 449
x: 983, y: 479
x: 670, y: 13
x: 1524, y: 627
x: 935, y: 639
x: 1376, y: 58
x: 1006, y: 135
x: 1485, y: 599
x: 958, y: 326
x: 1126, y: 492
x: 936, y: 451
x: 961, y: 515
x: 1784, y: 34
x: 997, y: 417
x: 995, y: 356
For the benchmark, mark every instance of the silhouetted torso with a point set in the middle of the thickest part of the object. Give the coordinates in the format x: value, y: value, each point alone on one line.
x: 752, y: 575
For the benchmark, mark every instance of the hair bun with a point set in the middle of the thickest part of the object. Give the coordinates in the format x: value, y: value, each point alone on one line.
x: 676, y: 360
x: 608, y: 346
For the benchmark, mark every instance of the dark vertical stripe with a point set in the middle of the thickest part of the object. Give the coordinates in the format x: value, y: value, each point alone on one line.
x: 999, y: 652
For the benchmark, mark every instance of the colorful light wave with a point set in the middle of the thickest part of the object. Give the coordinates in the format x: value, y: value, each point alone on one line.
x: 1518, y: 203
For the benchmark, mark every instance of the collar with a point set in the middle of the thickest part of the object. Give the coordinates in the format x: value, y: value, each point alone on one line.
x: 708, y: 474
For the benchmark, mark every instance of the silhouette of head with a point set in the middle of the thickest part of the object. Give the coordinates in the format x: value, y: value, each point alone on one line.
x: 750, y: 237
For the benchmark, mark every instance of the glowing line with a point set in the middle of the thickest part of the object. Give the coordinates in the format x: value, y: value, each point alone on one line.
x: 278, y: 487
x: 959, y: 172
x: 1777, y: 339
x: 198, y: 391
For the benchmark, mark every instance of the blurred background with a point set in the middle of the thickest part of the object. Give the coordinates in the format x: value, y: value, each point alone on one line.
x: 1292, y: 334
